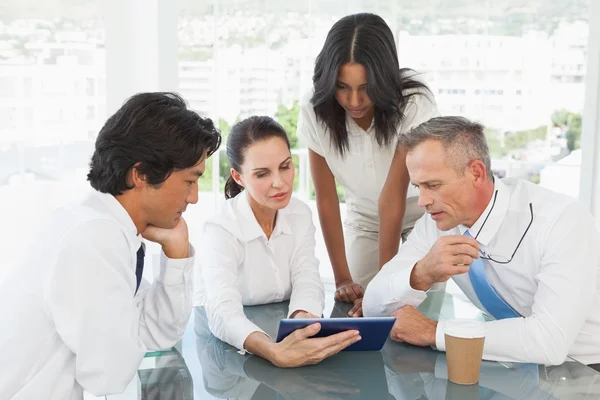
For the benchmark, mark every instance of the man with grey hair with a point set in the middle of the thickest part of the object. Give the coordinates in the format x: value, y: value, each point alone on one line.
x: 523, y: 254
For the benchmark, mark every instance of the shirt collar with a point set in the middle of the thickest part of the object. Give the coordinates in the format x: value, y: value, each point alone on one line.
x: 354, y: 130
x: 118, y: 212
x: 250, y: 227
x: 488, y: 223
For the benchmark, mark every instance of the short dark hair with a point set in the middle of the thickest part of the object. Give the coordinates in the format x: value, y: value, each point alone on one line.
x: 243, y: 135
x: 156, y: 130
x: 463, y: 140
x: 367, y: 40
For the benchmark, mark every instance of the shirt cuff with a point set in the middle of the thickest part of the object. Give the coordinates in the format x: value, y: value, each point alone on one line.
x: 404, y: 292
x: 312, y: 307
x: 440, y: 339
x: 176, y: 271
x: 243, y: 329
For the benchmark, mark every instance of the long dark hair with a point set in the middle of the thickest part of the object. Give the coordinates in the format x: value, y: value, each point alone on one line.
x: 367, y: 40
x: 243, y: 135
x: 156, y: 131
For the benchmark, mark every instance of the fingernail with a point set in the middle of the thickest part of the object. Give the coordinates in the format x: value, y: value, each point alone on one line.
x: 357, y: 339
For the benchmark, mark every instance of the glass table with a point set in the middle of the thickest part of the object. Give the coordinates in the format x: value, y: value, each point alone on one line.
x: 203, y: 367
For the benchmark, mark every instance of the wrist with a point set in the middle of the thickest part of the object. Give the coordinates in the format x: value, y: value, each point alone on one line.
x: 342, y: 279
x: 418, y: 280
x: 295, y: 313
x: 176, y: 250
x: 272, y: 353
x: 432, y: 334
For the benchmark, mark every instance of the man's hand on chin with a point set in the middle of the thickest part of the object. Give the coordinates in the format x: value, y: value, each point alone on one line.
x: 413, y: 327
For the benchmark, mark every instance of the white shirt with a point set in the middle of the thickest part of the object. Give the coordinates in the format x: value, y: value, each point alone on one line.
x: 70, y: 320
x: 364, y: 168
x: 552, y: 280
x: 241, y: 267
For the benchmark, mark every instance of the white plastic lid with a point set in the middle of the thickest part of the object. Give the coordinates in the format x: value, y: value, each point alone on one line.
x: 464, y: 328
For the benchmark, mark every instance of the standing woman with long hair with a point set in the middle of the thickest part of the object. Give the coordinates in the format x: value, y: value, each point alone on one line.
x: 361, y: 101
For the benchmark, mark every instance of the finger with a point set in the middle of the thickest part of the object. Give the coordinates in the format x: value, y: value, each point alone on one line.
x: 459, y: 239
x: 345, y: 296
x: 465, y: 249
x: 334, y: 340
x: 337, y: 347
x: 311, y: 330
x: 351, y: 295
x: 356, y: 311
x: 460, y: 269
x: 358, y: 290
x: 462, y: 260
x: 337, y: 295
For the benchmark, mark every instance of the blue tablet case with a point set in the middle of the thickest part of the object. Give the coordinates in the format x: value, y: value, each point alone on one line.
x: 374, y: 331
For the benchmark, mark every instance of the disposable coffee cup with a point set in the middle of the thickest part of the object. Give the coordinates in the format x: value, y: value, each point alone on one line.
x: 464, y: 350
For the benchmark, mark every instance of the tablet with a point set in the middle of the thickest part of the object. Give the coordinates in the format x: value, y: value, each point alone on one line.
x: 373, y: 331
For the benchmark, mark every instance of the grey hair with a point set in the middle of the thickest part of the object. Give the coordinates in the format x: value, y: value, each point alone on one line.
x: 463, y: 140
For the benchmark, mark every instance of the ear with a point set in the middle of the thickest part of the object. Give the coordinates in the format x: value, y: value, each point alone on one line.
x: 237, y: 177
x: 135, y: 178
x: 478, y: 172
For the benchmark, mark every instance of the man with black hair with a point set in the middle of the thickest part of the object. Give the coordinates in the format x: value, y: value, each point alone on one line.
x: 76, y: 314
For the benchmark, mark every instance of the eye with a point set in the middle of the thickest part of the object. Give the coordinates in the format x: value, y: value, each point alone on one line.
x: 341, y: 86
x: 434, y: 186
x: 287, y: 166
x: 261, y: 174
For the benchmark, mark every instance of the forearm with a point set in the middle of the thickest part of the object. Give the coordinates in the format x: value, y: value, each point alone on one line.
x: 261, y: 345
x: 333, y: 234
x: 420, y: 280
x: 391, y: 214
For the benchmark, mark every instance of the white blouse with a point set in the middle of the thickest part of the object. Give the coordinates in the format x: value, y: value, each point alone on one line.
x: 364, y: 168
x: 238, y: 266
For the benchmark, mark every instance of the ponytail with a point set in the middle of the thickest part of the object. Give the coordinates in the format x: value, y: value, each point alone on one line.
x: 232, y: 188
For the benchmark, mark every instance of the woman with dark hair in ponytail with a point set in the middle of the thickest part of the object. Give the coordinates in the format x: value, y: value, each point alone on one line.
x: 361, y: 101
x: 260, y: 248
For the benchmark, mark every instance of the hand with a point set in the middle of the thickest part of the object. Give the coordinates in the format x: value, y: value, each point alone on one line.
x: 303, y: 314
x: 357, y: 309
x: 174, y: 241
x: 449, y: 256
x: 300, y: 349
x: 413, y: 327
x: 348, y: 291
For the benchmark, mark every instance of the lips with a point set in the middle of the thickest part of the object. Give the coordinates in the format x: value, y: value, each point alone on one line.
x: 279, y: 195
x: 356, y: 111
x: 436, y: 214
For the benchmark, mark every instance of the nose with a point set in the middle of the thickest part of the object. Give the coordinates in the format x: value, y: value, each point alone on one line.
x: 193, y: 195
x: 277, y: 180
x: 424, y: 199
x: 355, y: 99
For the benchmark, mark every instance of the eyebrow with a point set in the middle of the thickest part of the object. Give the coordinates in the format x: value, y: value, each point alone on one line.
x: 426, y: 182
x: 197, y: 173
x: 266, y: 169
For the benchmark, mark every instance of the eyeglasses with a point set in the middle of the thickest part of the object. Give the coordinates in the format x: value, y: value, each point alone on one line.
x: 502, y: 259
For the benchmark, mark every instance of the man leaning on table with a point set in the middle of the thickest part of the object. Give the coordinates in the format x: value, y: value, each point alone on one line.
x: 76, y: 314
x: 526, y: 255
